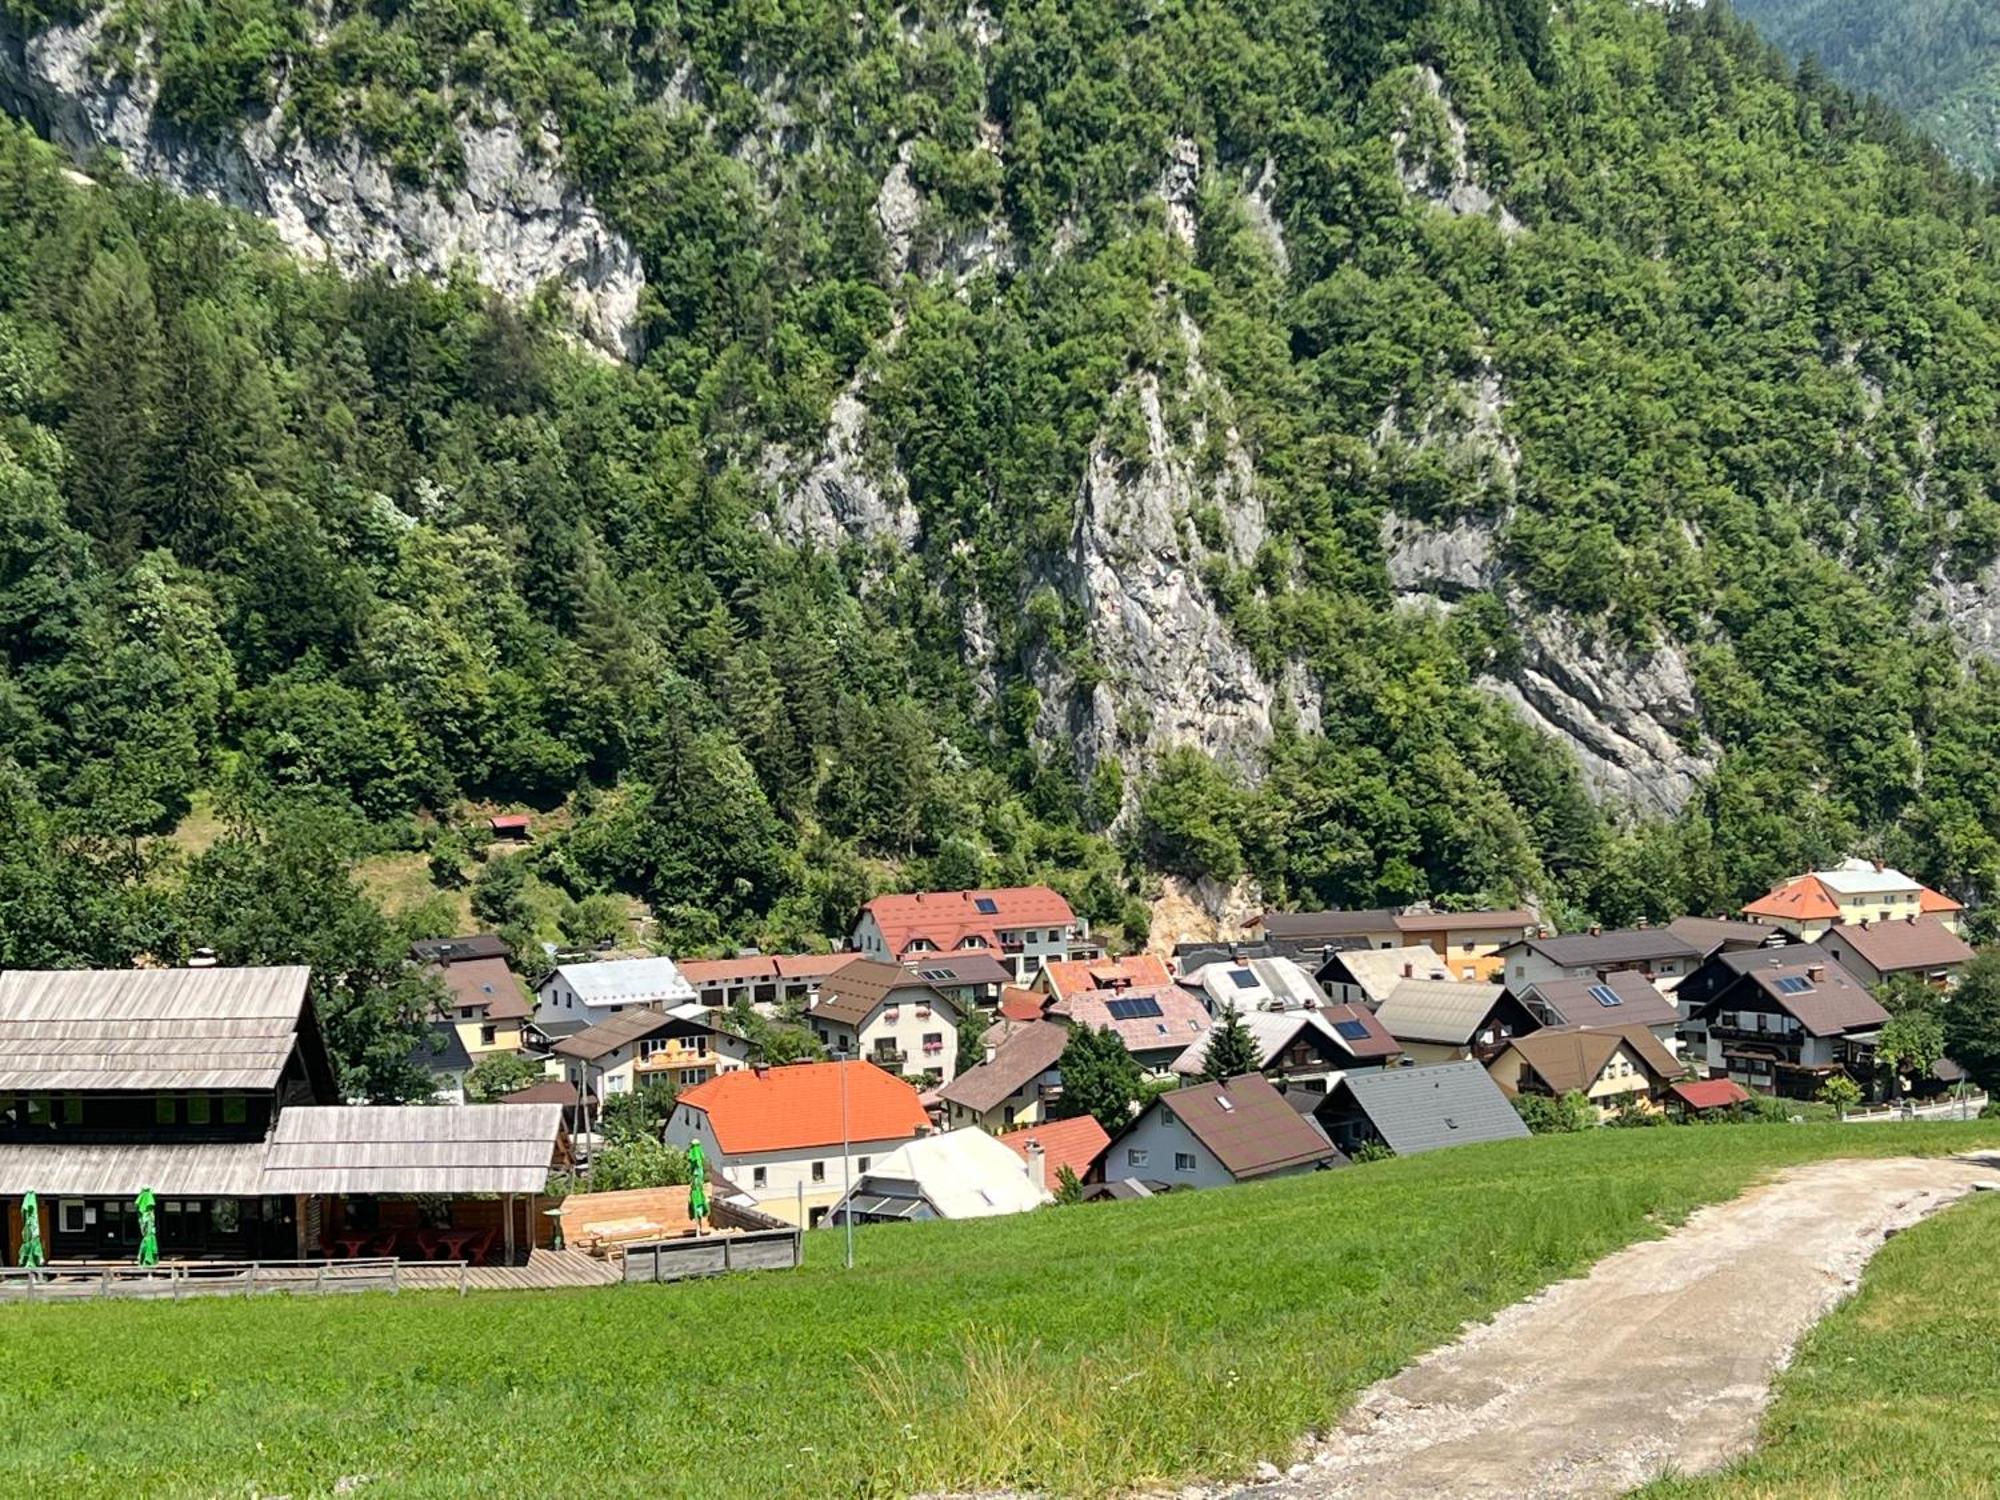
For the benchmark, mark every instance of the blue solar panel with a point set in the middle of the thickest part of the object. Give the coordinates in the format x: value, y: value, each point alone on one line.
x: 1244, y: 978
x: 1794, y: 984
x: 1134, y: 1009
x: 1353, y: 1031
x: 1604, y: 995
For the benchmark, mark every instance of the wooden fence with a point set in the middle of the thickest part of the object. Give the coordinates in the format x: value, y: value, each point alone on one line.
x: 73, y: 1280
x: 713, y: 1254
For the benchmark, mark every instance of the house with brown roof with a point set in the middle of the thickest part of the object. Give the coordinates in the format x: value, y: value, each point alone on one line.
x: 485, y: 1003
x: 1653, y: 951
x: 1624, y: 997
x: 1438, y: 1021
x: 1301, y: 1046
x: 969, y: 980
x: 1014, y: 1084
x: 1919, y: 947
x: 1155, y: 1023
x: 623, y: 1053
x: 1450, y: 934
x: 1853, y: 891
x: 1074, y: 1143
x: 766, y: 981
x: 1713, y: 935
x: 1215, y: 1134
x: 1024, y: 927
x: 778, y: 1133
x: 889, y: 1016
x: 1614, y: 1067
x: 1784, y: 1022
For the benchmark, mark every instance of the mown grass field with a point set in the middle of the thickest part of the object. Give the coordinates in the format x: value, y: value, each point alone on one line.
x: 1896, y: 1396
x: 1074, y: 1350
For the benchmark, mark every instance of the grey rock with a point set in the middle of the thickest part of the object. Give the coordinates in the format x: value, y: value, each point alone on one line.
x: 837, y: 497
x: 1460, y: 192
x: 512, y: 217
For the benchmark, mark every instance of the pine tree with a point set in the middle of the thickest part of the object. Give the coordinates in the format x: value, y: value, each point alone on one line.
x: 1232, y: 1051
x: 1099, y: 1077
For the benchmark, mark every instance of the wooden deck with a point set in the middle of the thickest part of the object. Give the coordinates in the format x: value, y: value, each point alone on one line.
x: 546, y: 1270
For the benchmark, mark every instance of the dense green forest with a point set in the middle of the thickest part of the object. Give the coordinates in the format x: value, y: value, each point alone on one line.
x: 1938, y: 61
x: 342, y: 559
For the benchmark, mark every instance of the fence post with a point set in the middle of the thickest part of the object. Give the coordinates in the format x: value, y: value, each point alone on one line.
x: 319, y: 1277
x: 395, y: 1274
x: 174, y: 1281
x: 461, y: 1277
x: 725, y: 1255
x: 104, y: 1282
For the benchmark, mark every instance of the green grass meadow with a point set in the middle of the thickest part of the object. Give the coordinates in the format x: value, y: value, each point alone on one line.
x: 1896, y: 1396
x: 1077, y: 1351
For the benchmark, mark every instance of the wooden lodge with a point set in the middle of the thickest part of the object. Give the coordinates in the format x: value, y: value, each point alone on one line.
x: 213, y: 1088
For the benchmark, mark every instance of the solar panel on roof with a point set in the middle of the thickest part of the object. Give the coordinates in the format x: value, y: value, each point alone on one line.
x: 1136, y: 1008
x: 1353, y: 1031
x: 1244, y: 978
x: 1794, y: 984
x: 986, y: 906
x: 934, y: 974
x: 1603, y: 994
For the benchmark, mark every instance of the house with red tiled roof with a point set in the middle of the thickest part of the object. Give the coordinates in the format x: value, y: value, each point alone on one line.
x: 1702, y: 1096
x: 1075, y: 1144
x: 1067, y: 977
x: 1853, y: 891
x: 1156, y: 1023
x: 1024, y: 927
x: 778, y: 1133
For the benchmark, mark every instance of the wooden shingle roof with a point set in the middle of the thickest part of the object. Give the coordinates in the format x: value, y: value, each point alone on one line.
x: 414, y: 1148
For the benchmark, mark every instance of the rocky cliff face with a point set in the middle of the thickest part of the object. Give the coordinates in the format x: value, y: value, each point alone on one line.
x: 512, y: 216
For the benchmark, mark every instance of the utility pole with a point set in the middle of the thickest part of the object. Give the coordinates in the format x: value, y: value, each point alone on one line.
x: 846, y: 1158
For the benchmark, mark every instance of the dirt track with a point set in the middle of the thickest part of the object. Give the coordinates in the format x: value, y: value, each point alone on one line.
x: 1661, y: 1357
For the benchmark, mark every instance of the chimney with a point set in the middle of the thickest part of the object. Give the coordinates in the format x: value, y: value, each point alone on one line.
x: 1879, y: 867
x: 1643, y: 924
x: 1596, y: 930
x: 1815, y: 972
x: 1409, y: 971
x: 991, y: 1053
x: 1034, y: 1156
x: 1911, y: 919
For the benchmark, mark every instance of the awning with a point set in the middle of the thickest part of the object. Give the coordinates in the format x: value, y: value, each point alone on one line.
x: 210, y: 1169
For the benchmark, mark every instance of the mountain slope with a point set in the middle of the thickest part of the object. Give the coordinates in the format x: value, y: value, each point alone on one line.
x: 1072, y: 440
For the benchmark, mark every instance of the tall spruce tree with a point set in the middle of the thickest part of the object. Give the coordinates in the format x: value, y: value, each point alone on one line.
x: 1232, y: 1051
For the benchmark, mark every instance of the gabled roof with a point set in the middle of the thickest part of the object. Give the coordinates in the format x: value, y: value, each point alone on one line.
x: 1022, y: 1005
x: 1710, y: 1093
x: 414, y: 1148
x: 149, y: 1028
x: 1513, y: 918
x: 852, y: 994
x: 1253, y: 983
x: 1892, y: 947
x: 1017, y: 1061
x: 625, y: 981
x: 1343, y: 1030
x: 1931, y: 902
x: 1800, y: 899
x: 959, y: 968
x: 1248, y: 1127
x: 1712, y: 934
x: 1298, y: 926
x: 1379, y: 970
x: 702, y: 972
x: 439, y: 1050
x: 1078, y: 975
x: 1145, y: 1020
x: 962, y: 1174
x: 1578, y: 1002
x: 947, y: 917
x: 1823, y: 998
x: 1588, y: 950
x: 453, y: 950
x: 1568, y: 1058
x: 1441, y: 1011
x: 629, y: 1026
x: 488, y: 985
x: 1421, y: 1109
x: 1074, y: 1143
x: 796, y: 1107
x: 1360, y: 1031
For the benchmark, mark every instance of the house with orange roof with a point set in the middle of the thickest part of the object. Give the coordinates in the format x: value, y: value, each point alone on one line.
x: 1067, y: 977
x: 1024, y: 927
x: 1075, y: 1143
x: 778, y: 1133
x: 1853, y: 891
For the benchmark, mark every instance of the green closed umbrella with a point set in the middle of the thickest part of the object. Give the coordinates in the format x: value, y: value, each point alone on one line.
x: 149, y: 1240
x: 697, y: 1184
x: 31, y: 1232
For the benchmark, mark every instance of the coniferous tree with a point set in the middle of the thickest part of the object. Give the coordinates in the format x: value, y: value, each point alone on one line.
x: 1232, y: 1051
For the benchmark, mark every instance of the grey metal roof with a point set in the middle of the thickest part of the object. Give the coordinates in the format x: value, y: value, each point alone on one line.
x: 1436, y: 1010
x: 149, y: 1028
x: 1422, y: 1109
x: 625, y: 981
x: 218, y: 1169
x: 413, y: 1148
x: 440, y: 1050
x: 1379, y: 970
x: 1585, y: 950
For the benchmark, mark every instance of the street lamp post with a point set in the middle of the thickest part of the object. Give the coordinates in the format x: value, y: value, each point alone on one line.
x: 846, y: 1158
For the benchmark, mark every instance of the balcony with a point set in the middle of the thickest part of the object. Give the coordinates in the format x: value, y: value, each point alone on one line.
x: 893, y: 1061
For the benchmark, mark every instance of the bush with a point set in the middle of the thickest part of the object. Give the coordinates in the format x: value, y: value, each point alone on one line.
x: 1565, y: 1116
x: 642, y: 1162
x: 1372, y: 1149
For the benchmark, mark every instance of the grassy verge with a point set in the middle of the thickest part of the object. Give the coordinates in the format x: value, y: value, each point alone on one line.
x: 1074, y: 1350
x: 1893, y: 1397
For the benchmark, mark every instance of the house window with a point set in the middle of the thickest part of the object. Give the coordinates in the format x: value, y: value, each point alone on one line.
x: 933, y: 1041
x: 1135, y: 1156
x: 1009, y: 1114
x: 819, y: 1171
x: 235, y: 1110
x: 486, y: 1035
x: 1183, y: 1161
x: 757, y: 1177
x: 691, y: 1075
x: 163, y: 1110
x: 862, y: 1164
x: 70, y: 1216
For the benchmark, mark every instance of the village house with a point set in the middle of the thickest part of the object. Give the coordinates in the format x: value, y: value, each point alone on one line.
x: 440, y: 1053
x: 1304, y: 1046
x: 777, y: 1132
x: 1706, y: 1096
x: 890, y: 1017
x: 1624, y: 997
x: 1155, y: 1024
x: 971, y: 981
x: 1615, y: 1068
x: 1438, y: 1021
x: 1255, y: 984
x: 1075, y: 1143
x: 1014, y: 1084
x: 1852, y: 891
x: 1652, y: 951
x: 593, y: 992
x: 1709, y: 936
x: 1024, y: 927
x: 684, y: 1047
x: 1367, y: 976
x: 1414, y: 1110
x: 766, y: 982
x: 212, y: 1087
x: 1067, y: 977
x: 1215, y: 1134
x: 1920, y: 948
x: 485, y: 1001
x: 1451, y: 935
x: 961, y: 1174
x: 1786, y: 1024
x: 1727, y: 966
